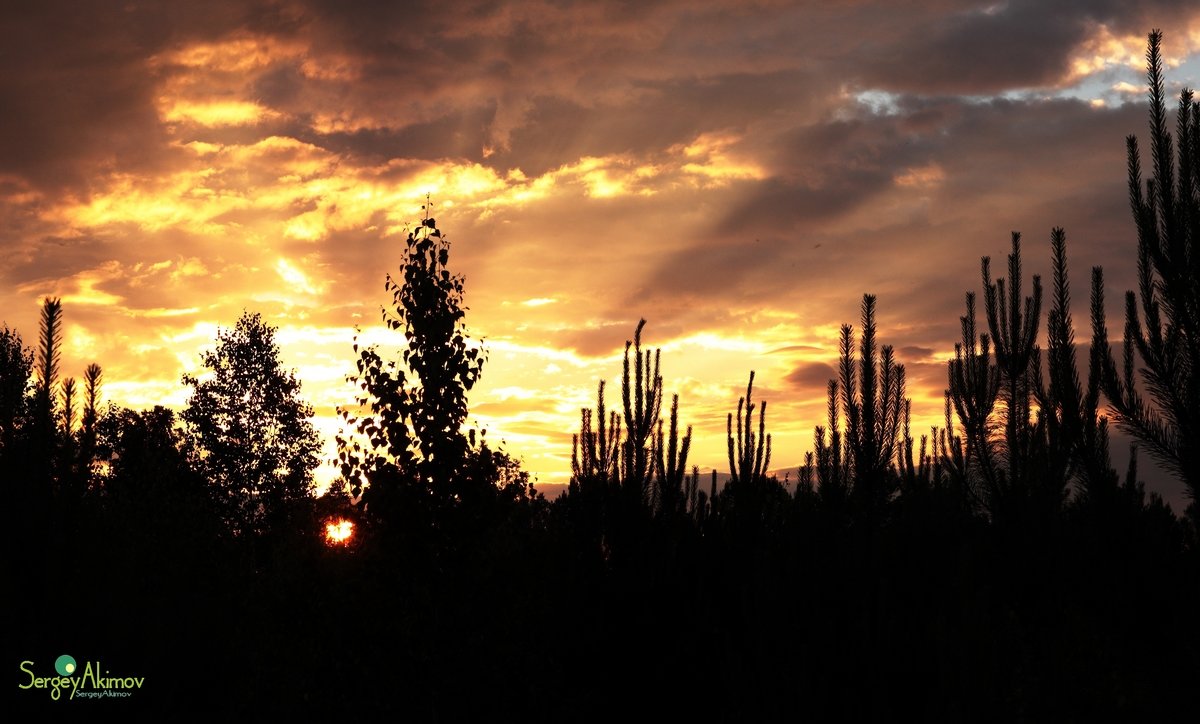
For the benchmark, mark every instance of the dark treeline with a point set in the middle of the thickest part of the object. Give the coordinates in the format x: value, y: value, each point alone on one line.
x: 995, y: 568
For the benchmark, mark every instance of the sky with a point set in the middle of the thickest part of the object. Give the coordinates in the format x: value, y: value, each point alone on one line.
x: 737, y: 173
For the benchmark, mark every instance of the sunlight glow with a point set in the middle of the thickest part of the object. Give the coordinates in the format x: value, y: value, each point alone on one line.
x: 339, y: 532
x: 235, y: 55
x: 215, y: 113
x: 707, y: 158
x: 920, y: 176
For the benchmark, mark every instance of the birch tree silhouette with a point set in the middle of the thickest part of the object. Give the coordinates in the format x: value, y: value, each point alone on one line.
x: 251, y: 434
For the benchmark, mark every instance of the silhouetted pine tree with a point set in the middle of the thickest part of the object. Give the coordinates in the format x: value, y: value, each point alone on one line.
x: 873, y: 414
x: 674, y: 493
x: 862, y: 463
x: 68, y: 406
x: 920, y: 473
x: 1165, y: 333
x: 751, y: 502
x: 749, y: 454
x: 44, y: 458
x: 832, y: 465
x: 71, y: 473
x: 595, y: 453
x: 974, y: 386
x: 48, y: 357
x: 1014, y: 328
x: 92, y: 379
x: 951, y: 455
x: 625, y: 471
x: 642, y: 401
x: 1076, y: 433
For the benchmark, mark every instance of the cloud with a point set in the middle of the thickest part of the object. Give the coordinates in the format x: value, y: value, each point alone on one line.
x: 738, y: 173
x: 811, y: 377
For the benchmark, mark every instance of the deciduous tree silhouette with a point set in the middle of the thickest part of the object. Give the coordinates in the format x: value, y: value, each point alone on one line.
x: 146, y: 467
x: 16, y: 369
x: 251, y: 434
x: 418, y: 463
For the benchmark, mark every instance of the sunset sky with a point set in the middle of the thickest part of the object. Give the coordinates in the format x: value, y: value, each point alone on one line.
x: 737, y: 173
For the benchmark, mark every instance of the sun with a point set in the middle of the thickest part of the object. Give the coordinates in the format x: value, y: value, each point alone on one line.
x: 339, y: 532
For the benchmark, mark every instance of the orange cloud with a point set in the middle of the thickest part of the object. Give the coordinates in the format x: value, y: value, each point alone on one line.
x: 1104, y: 49
x: 699, y: 169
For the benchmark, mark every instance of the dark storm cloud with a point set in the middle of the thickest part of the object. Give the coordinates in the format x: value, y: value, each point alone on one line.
x: 994, y: 46
x: 663, y: 114
x: 549, y: 82
x: 1000, y: 166
x: 52, y: 257
x: 460, y: 134
x: 78, y: 97
x: 1019, y: 45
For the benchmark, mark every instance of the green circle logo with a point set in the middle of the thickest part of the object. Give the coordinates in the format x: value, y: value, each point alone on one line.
x: 65, y: 665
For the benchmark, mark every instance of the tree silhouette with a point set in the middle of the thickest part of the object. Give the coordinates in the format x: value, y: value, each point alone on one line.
x: 625, y: 470
x: 16, y: 368
x: 418, y: 463
x: 749, y: 454
x: 146, y: 466
x: 642, y: 402
x: 48, y: 358
x: 750, y: 501
x: 45, y: 461
x: 1165, y: 332
x: 93, y: 377
x: 873, y: 404
x: 250, y: 432
x: 831, y: 465
x: 1014, y: 328
x: 69, y: 399
x: 1076, y: 432
x: 862, y: 462
x: 674, y: 493
x: 595, y: 448
x: 974, y: 386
